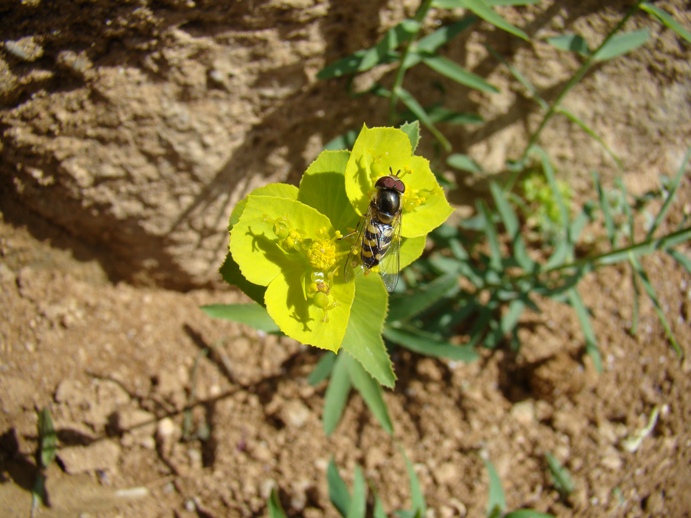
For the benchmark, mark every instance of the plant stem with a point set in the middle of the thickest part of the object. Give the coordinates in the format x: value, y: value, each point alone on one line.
x: 400, y: 73
x: 575, y: 79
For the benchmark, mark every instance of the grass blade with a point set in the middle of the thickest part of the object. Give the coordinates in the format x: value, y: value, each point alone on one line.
x: 416, y: 494
x: 560, y: 475
x: 495, y: 261
x: 534, y: 94
x: 591, y: 133
x: 571, y: 43
x: 252, y: 315
x: 457, y: 73
x: 682, y: 259
x: 430, y: 43
x: 667, y: 20
x: 604, y: 207
x: 370, y: 391
x: 496, y: 503
x: 275, y: 508
x: 406, y: 307
x: 479, y: 8
x: 338, y: 490
x: 588, y: 333
x: 621, y: 44
x: 426, y: 344
x: 648, y: 287
x: 336, y: 394
x: 411, y: 103
x: 464, y: 163
x: 323, y: 369
x: 676, y: 181
x: 358, y: 502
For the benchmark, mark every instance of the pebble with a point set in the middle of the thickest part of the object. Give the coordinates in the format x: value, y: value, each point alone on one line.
x: 101, y: 455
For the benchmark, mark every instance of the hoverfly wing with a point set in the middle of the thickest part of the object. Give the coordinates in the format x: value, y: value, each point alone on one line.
x: 390, y: 264
x: 353, y: 262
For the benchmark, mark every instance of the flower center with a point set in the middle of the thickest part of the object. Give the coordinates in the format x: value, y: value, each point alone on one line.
x: 322, y: 254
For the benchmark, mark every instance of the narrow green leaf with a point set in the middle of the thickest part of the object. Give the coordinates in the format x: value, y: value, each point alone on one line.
x: 508, y: 216
x: 371, y: 392
x: 492, y: 239
x: 338, y: 490
x: 591, y: 133
x: 643, y: 248
x: 252, y: 315
x: 423, y: 343
x: 676, y: 181
x: 464, y: 163
x: 407, y: 306
x: 344, y: 141
x: 588, y: 333
x: 560, y: 475
x: 47, y: 437
x: 275, y: 507
x: 457, y: 73
x: 510, y: 319
x: 379, y: 511
x: 534, y: 94
x: 604, y: 207
x: 486, y: 13
x: 667, y: 20
x: 455, y: 4
x: 430, y: 43
x: 682, y: 259
x: 571, y: 43
x: 621, y: 44
x: 323, y: 368
x: 416, y: 494
x: 412, y: 129
x: 411, y: 103
x: 648, y: 287
x: 497, y: 500
x: 358, y: 502
x: 336, y: 394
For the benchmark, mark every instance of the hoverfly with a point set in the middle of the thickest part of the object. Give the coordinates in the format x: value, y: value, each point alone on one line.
x: 378, y: 239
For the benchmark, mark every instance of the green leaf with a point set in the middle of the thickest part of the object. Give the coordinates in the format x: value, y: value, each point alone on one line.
x: 416, y: 494
x: 48, y: 440
x: 604, y: 207
x: 571, y: 43
x: 371, y: 393
x: 342, y: 142
x: 379, y: 511
x: 510, y: 319
x: 591, y: 133
x: 412, y: 129
x: 621, y: 44
x: 560, y: 475
x: 411, y: 103
x: 667, y: 20
x: 363, y: 338
x: 430, y: 43
x: 490, y: 230
x: 682, y: 259
x: 252, y: 315
x: 336, y: 395
x: 426, y: 344
x: 676, y: 181
x: 338, y: 490
x: 534, y: 94
x: 496, y: 502
x: 457, y: 73
x: 407, y: 306
x: 643, y: 276
x: 588, y: 333
x: 275, y: 507
x: 323, y: 369
x: 486, y: 13
x: 464, y: 163
x: 358, y: 502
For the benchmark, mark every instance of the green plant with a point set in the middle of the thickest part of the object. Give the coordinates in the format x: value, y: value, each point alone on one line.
x: 45, y: 455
